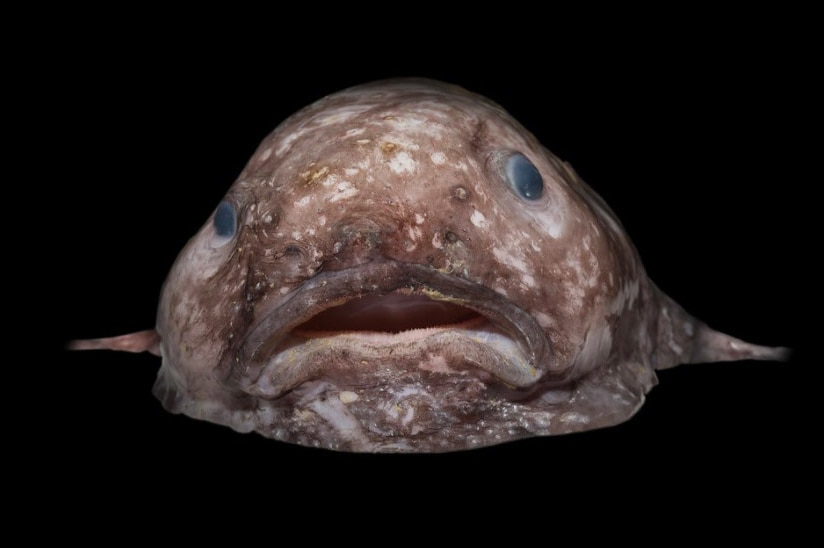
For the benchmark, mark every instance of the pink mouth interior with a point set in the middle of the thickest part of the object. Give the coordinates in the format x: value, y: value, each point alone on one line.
x: 388, y: 313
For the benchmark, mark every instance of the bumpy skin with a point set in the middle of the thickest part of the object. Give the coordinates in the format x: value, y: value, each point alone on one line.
x: 397, y: 188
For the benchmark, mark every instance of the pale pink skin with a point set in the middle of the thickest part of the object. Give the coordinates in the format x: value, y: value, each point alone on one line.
x: 397, y: 188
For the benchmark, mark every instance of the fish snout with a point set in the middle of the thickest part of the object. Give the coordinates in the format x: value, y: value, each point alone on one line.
x: 362, y: 240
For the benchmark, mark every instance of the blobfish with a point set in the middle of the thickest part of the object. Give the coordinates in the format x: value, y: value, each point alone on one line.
x: 402, y: 267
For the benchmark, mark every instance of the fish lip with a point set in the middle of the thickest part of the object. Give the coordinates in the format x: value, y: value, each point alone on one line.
x: 327, y: 289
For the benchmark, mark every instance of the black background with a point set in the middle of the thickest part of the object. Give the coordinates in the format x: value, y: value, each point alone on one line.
x: 696, y: 139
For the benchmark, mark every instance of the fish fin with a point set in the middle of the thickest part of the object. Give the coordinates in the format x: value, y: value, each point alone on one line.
x: 684, y: 339
x: 140, y: 341
x: 713, y: 346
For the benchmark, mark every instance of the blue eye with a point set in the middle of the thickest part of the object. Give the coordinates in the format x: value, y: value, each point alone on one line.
x: 524, y: 178
x: 225, y: 220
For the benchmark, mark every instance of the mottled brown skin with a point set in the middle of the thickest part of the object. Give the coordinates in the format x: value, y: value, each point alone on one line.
x: 397, y: 189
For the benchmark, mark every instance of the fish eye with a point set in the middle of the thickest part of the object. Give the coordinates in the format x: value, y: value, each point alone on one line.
x: 524, y: 177
x: 225, y: 220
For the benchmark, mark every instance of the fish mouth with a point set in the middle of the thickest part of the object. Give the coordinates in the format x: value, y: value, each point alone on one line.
x: 356, y: 324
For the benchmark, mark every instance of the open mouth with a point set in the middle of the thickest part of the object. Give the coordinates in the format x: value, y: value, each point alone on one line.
x: 393, y: 313
x: 385, y: 315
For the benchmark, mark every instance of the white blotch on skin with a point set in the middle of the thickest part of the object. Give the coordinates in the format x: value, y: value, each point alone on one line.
x: 571, y: 417
x: 355, y: 132
x: 554, y: 397
x: 351, y: 171
x: 411, y: 125
x: 339, y: 115
x: 345, y: 190
x: 410, y: 414
x: 286, y: 144
x: 438, y: 158
x: 585, y: 266
x: 407, y: 391
x: 501, y: 290
x: 402, y: 162
x: 596, y: 348
x: 575, y: 295
x: 363, y: 141
x: 528, y: 280
x: 334, y: 413
x: 550, y: 224
x: 506, y: 258
x: 478, y: 219
x: 544, y: 320
x: 265, y: 154
x: 626, y: 298
x: 329, y: 180
x: 348, y: 397
x: 436, y: 364
x: 419, y: 219
x: 303, y: 202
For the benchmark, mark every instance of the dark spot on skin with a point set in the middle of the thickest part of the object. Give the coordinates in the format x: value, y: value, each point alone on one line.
x: 389, y: 148
x: 460, y: 193
x: 478, y: 137
x: 358, y: 237
x: 256, y: 284
x: 292, y: 250
x: 451, y: 237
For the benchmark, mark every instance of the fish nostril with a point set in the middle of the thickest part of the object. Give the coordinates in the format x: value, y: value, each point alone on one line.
x: 291, y: 262
x: 297, y: 260
x: 364, y: 233
x: 361, y: 240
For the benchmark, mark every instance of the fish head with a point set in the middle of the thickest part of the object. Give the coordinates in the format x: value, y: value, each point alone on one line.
x: 405, y: 258
x: 402, y: 266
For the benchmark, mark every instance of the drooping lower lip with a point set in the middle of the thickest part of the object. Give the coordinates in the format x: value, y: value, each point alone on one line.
x: 324, y: 302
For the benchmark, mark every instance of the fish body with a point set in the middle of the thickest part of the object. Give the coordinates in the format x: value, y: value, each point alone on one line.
x: 403, y: 267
